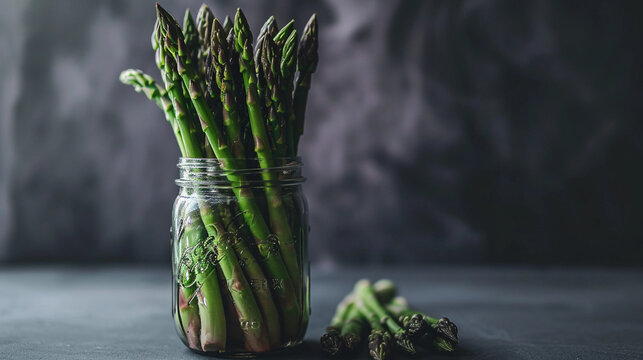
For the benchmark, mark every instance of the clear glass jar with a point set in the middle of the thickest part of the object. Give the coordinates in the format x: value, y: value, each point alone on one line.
x: 239, y: 256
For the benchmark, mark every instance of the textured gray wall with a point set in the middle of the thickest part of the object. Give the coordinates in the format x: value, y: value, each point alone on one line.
x: 437, y: 130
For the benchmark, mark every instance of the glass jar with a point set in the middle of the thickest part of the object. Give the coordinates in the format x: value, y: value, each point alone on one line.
x: 239, y: 256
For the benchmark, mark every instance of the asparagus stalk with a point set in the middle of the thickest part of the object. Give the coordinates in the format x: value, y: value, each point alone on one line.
x: 198, y: 257
x: 268, y: 29
x: 145, y: 83
x: 440, y: 334
x: 365, y: 292
x: 332, y: 343
x: 281, y: 281
x: 191, y: 36
x: 380, y: 342
x: 307, y: 60
x: 353, y: 329
x: 276, y: 210
x: 270, y: 60
x: 204, y: 19
x: 288, y: 66
x: 188, y: 311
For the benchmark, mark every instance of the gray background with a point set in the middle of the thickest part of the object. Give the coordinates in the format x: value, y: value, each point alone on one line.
x: 437, y: 131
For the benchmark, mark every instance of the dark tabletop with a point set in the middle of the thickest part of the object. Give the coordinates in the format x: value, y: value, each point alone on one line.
x: 502, y: 313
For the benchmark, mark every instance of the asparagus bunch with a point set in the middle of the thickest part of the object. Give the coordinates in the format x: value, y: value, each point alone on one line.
x: 392, y: 324
x: 238, y: 262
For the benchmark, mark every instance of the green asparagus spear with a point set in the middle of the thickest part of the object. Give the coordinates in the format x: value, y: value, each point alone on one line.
x: 288, y: 66
x: 198, y: 257
x: 270, y: 61
x: 332, y: 343
x: 191, y: 36
x: 204, y: 19
x: 268, y: 29
x: 307, y: 59
x: 365, y: 292
x: 380, y: 342
x: 353, y: 329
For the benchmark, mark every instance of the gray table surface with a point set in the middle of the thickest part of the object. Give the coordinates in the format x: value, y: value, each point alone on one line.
x: 502, y: 313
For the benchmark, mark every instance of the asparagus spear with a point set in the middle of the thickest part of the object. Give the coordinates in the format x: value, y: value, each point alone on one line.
x: 288, y: 65
x: 353, y: 329
x: 270, y: 61
x: 204, y: 20
x: 191, y: 36
x: 276, y: 210
x: 268, y: 29
x: 364, y: 291
x: 223, y: 77
x: 188, y: 311
x: 440, y: 334
x: 281, y: 281
x: 198, y: 257
x: 332, y: 343
x: 145, y: 83
x: 307, y: 59
x: 380, y: 342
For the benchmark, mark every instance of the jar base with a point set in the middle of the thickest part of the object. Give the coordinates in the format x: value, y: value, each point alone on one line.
x: 289, y: 347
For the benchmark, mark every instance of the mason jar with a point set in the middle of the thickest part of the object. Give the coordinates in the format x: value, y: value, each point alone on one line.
x: 239, y: 256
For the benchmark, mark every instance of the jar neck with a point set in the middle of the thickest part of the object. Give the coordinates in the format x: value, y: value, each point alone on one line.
x: 212, y: 174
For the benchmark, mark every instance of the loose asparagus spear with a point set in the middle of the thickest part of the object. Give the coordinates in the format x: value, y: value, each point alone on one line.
x: 380, y: 342
x: 332, y: 343
x: 440, y: 334
x: 146, y: 84
x: 276, y: 210
x: 353, y: 329
x: 364, y: 291
x: 281, y: 281
x: 307, y: 59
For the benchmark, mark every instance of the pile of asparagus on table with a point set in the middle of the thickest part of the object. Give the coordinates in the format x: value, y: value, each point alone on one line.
x: 226, y: 100
x: 392, y: 325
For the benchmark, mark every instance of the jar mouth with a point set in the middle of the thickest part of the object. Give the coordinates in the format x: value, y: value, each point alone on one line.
x: 247, y: 172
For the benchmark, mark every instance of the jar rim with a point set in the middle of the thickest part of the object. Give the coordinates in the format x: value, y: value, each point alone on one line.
x: 208, y: 173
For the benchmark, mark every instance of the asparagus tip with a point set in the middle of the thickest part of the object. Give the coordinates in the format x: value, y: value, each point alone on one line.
x: 402, y: 340
x: 379, y: 345
x: 332, y: 343
x: 352, y: 342
x: 447, y: 330
x: 415, y: 325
